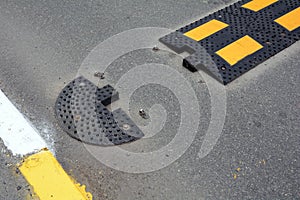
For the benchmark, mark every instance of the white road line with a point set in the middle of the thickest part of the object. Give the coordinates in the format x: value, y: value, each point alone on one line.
x: 17, y: 133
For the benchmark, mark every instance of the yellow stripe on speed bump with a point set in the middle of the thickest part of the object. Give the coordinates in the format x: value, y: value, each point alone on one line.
x: 49, y: 180
x: 256, y: 5
x: 206, y: 30
x: 239, y: 49
x: 291, y: 20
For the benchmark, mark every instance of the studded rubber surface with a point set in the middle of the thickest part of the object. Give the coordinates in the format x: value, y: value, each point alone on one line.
x: 81, y: 112
x: 259, y: 25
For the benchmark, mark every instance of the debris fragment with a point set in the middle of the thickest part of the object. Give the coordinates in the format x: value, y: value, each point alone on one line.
x: 235, y: 176
x: 262, y: 162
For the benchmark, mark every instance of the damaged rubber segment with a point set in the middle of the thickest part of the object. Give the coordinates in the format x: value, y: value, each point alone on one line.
x: 81, y: 112
x: 215, y: 45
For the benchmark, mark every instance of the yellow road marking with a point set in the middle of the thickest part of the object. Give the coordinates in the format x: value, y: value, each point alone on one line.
x: 257, y: 5
x: 205, y: 30
x: 239, y: 49
x: 291, y: 20
x: 49, y: 180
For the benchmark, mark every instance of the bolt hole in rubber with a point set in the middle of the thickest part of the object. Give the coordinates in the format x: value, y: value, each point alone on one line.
x: 233, y: 40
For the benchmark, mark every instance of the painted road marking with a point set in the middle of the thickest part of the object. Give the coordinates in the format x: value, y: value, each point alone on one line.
x: 206, y: 30
x: 49, y: 180
x: 291, y: 20
x: 41, y: 170
x: 239, y: 49
x: 257, y: 5
x: 16, y: 132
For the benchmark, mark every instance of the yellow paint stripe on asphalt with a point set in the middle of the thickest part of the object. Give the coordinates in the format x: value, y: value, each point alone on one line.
x: 256, y: 5
x: 291, y: 20
x: 49, y: 180
x: 239, y: 49
x: 206, y: 30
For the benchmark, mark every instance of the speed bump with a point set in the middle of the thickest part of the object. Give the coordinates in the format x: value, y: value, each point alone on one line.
x: 237, y: 38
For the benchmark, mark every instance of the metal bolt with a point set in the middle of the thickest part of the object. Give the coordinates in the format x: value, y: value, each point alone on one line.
x: 126, y: 127
x: 99, y: 75
x: 81, y: 84
x: 142, y: 113
x: 77, y: 117
x: 155, y: 48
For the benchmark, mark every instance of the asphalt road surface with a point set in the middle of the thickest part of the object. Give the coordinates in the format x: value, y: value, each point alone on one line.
x: 42, y: 46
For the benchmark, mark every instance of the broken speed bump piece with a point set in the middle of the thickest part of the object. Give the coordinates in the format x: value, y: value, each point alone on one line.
x: 81, y: 112
x: 239, y: 49
x: 49, y: 180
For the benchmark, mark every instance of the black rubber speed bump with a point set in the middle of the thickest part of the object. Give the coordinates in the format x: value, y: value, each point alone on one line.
x: 81, y: 112
x: 235, y: 39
